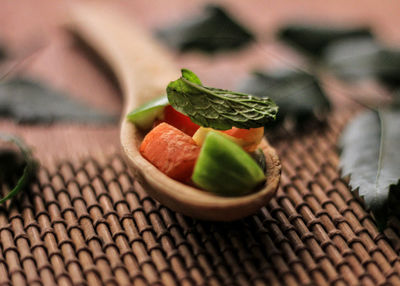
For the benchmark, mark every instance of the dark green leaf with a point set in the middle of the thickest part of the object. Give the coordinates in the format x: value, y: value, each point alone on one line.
x: 218, y: 108
x: 298, y: 94
x: 353, y: 59
x: 212, y: 31
x: 313, y: 39
x: 11, y: 163
x: 2, y: 53
x: 29, y: 170
x: 27, y: 101
x: 362, y: 58
x: 370, y: 156
x: 388, y: 70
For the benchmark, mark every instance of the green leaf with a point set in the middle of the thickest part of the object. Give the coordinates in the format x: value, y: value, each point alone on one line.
x: 298, y: 94
x: 388, y: 64
x: 357, y: 59
x: 2, y: 54
x: 217, y: 108
x: 3, y: 51
x: 212, y: 31
x: 353, y: 59
x: 313, y: 39
x: 27, y: 101
x: 29, y: 170
x: 370, y: 156
x: 191, y: 76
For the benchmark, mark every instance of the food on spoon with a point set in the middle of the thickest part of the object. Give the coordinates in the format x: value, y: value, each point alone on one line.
x: 226, y: 127
x: 179, y: 120
x: 248, y: 139
x: 159, y: 110
x: 145, y: 115
x: 173, y: 152
x: 223, y: 167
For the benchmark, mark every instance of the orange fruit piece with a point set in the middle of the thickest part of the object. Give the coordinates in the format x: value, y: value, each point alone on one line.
x: 171, y: 151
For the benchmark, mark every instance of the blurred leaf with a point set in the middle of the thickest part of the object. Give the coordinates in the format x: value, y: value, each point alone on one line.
x: 27, y: 101
x: 370, y: 156
x: 212, y: 31
x: 297, y: 94
x: 357, y: 59
x: 313, y: 39
x: 11, y: 165
x: 389, y: 67
x: 2, y: 54
x: 352, y: 59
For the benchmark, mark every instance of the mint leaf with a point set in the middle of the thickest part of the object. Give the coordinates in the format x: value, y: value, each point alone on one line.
x: 29, y: 170
x: 217, y: 108
x: 191, y: 76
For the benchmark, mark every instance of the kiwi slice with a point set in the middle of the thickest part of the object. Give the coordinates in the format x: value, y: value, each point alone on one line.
x: 224, y: 168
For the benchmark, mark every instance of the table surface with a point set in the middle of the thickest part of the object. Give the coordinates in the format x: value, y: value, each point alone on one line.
x: 86, y: 221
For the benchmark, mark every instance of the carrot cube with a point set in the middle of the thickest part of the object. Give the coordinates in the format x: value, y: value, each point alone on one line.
x: 171, y: 151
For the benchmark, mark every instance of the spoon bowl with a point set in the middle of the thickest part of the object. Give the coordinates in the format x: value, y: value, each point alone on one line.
x: 143, y: 70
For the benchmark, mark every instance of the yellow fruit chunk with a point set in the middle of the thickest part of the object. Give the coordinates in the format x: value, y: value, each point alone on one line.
x: 248, y: 139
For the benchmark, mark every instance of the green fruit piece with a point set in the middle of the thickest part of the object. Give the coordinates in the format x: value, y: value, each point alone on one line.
x: 145, y: 115
x: 224, y: 168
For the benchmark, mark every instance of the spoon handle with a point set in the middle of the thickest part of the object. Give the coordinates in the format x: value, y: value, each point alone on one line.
x: 143, y: 69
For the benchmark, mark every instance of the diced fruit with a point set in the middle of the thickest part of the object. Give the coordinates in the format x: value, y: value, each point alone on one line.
x: 170, y: 150
x: 200, y: 136
x: 247, y: 138
x: 144, y: 116
x: 223, y: 167
x: 179, y: 120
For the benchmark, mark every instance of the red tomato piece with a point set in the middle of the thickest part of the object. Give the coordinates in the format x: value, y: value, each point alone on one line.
x: 179, y: 120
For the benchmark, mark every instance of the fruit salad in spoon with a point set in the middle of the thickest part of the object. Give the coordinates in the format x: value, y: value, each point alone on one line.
x: 223, y: 171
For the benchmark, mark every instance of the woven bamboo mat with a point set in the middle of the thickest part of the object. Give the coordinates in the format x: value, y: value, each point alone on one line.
x: 89, y: 223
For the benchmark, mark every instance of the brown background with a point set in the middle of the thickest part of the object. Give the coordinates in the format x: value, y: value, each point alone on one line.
x: 33, y: 33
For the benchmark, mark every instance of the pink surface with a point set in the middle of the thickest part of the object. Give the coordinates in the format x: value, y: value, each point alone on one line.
x: 34, y: 36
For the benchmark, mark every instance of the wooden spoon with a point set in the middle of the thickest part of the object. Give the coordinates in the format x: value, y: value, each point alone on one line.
x: 144, y: 70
